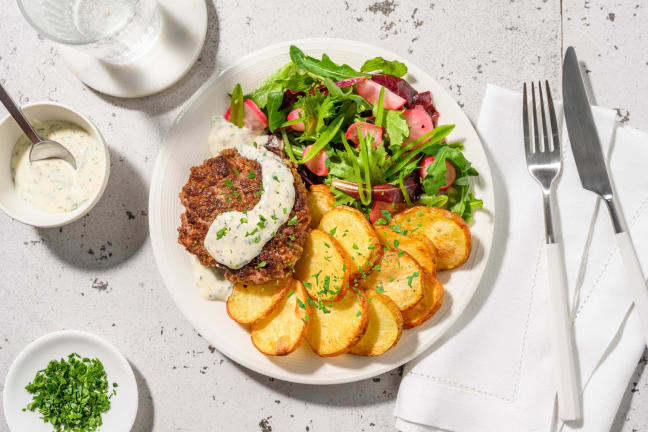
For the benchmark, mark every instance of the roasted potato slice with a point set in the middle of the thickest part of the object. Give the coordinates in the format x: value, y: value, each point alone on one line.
x: 249, y: 303
x: 356, y: 236
x: 320, y: 200
x: 427, y: 307
x: 420, y: 248
x: 282, y: 331
x: 399, y: 277
x: 384, y: 329
x: 324, y: 267
x: 446, y: 230
x: 336, y: 327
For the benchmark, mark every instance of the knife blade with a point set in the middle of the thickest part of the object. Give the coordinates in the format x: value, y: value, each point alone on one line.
x: 585, y: 142
x: 586, y: 148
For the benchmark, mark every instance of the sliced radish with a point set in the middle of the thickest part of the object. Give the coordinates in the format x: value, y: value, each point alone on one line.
x: 253, y: 119
x: 379, y: 206
x: 367, y: 129
x: 370, y: 90
x: 419, y: 122
x: 294, y: 115
x: 451, y: 171
x: 317, y: 164
x: 350, y: 81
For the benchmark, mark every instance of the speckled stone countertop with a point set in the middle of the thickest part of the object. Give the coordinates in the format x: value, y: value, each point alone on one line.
x: 99, y: 274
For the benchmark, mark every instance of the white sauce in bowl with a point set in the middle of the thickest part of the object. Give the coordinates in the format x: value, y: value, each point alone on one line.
x: 236, y: 238
x: 53, y: 185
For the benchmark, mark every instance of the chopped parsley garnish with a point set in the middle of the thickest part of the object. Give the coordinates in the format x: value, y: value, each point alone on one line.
x: 262, y: 264
x: 332, y: 232
x: 71, y: 394
x: 411, y: 277
x: 221, y: 233
x: 228, y: 183
x: 292, y: 221
x: 252, y: 174
x: 275, y: 178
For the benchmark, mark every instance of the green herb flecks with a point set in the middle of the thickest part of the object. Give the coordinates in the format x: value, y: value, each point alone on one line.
x: 71, y: 394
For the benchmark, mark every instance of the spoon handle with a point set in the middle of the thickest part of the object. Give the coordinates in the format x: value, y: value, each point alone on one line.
x: 17, y: 114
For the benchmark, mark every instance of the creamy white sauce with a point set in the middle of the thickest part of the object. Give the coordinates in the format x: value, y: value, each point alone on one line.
x: 210, y: 281
x: 236, y: 238
x: 53, y: 185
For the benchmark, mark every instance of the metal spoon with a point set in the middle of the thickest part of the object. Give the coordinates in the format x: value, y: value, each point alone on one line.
x: 41, y: 149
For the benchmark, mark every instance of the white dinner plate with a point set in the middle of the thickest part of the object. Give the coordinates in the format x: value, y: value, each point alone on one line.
x: 57, y: 345
x: 186, y: 145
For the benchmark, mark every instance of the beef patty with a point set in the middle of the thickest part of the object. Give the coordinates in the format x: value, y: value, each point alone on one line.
x: 208, y: 193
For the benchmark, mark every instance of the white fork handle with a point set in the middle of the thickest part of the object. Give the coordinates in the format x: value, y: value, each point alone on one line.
x: 569, y: 407
x: 635, y: 278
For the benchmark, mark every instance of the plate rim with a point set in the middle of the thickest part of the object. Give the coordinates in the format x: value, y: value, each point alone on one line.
x: 33, y: 345
x: 447, y: 324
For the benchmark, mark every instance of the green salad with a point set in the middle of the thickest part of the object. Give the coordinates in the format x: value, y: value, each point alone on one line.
x: 367, y: 134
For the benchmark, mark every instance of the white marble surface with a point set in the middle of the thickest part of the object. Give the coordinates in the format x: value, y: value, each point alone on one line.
x: 99, y: 274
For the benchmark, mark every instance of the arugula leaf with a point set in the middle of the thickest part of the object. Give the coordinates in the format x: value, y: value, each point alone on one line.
x: 314, y: 111
x: 327, y: 135
x: 323, y: 68
x: 237, y: 113
x: 396, y: 127
x: 272, y: 84
x: 341, y: 95
x: 436, y: 173
x: 324, y: 111
x: 433, y: 200
x: 393, y: 67
x: 275, y: 117
x: 341, y: 198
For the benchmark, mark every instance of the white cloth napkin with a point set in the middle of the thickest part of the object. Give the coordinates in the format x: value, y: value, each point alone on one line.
x: 493, y: 370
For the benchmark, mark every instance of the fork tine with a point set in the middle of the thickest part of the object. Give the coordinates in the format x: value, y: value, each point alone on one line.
x: 552, y: 119
x: 545, y: 134
x: 525, y: 121
x: 536, y: 136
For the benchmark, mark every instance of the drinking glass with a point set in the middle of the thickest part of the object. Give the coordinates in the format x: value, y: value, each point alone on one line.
x: 115, y: 31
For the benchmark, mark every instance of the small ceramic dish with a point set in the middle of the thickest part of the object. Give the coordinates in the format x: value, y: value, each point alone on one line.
x: 57, y: 345
x: 10, y: 200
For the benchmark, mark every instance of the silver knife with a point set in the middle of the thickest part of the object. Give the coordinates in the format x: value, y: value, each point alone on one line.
x: 586, y: 147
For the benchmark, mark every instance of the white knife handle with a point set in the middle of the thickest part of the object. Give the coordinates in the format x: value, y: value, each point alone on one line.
x: 635, y: 278
x: 565, y: 364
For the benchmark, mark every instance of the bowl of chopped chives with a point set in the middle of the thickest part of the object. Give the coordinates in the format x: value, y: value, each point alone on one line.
x: 70, y: 380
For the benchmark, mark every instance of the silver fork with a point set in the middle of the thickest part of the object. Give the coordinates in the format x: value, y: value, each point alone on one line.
x: 544, y: 162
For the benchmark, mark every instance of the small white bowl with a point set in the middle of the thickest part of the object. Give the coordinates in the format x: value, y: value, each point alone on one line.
x: 10, y: 201
x: 36, y: 356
